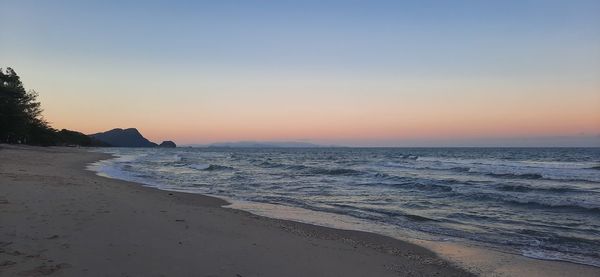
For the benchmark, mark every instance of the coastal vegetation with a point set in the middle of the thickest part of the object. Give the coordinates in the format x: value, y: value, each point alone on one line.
x: 21, y: 122
x: 21, y: 119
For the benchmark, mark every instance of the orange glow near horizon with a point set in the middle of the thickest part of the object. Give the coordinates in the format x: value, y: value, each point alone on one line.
x: 393, y: 113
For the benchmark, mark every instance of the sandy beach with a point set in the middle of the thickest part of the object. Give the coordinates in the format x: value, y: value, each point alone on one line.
x: 59, y: 219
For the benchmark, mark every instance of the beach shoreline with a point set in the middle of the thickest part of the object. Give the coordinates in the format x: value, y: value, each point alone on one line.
x: 59, y: 218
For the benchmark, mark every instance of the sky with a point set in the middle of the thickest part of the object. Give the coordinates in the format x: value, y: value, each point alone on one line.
x: 357, y: 73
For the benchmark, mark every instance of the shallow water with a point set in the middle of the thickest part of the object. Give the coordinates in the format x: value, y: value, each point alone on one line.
x: 539, y: 202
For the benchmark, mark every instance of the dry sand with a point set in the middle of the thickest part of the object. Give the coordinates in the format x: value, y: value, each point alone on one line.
x: 56, y: 218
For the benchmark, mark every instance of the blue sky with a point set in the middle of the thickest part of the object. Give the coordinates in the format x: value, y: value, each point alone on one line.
x: 443, y: 37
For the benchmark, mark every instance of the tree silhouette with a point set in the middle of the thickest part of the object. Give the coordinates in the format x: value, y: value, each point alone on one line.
x: 21, y: 118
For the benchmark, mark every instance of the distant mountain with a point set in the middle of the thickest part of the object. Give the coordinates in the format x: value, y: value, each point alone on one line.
x: 130, y: 137
x: 167, y: 144
x: 267, y: 144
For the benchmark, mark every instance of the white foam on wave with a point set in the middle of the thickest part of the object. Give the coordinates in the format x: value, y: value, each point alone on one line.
x: 557, y: 256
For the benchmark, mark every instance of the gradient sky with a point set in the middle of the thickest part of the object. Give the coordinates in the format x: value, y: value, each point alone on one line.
x: 337, y: 72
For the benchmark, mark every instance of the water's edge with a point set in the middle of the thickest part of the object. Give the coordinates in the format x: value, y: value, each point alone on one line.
x: 344, y: 222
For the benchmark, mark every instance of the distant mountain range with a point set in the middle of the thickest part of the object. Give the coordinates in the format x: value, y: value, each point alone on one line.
x: 129, y: 137
x: 259, y: 144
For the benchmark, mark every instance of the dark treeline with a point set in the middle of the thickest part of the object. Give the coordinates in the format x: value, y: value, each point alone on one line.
x: 21, y: 118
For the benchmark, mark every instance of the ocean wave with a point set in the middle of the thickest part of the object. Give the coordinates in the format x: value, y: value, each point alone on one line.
x: 427, y: 167
x: 553, y: 204
x: 411, y: 184
x: 533, y: 176
x: 310, y: 170
x: 536, y: 253
x: 268, y: 164
x: 460, y: 169
x: 538, y: 176
x: 296, y: 167
x: 500, y: 171
x: 216, y: 167
x: 237, y: 177
x: 380, y: 175
x: 572, y: 206
x: 210, y: 167
x: 360, y: 212
x: 564, y: 247
x: 427, y: 187
x: 409, y: 216
x: 525, y: 188
x: 575, y: 180
x: 418, y: 217
x: 468, y: 216
x: 198, y: 166
x: 559, y: 238
x: 335, y: 171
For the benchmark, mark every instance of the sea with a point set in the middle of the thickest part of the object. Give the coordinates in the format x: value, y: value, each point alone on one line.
x: 538, y: 202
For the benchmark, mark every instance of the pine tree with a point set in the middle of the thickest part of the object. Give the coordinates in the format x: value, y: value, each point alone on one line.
x: 21, y: 118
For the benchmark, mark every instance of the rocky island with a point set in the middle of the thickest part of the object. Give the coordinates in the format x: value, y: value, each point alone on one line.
x: 167, y: 144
